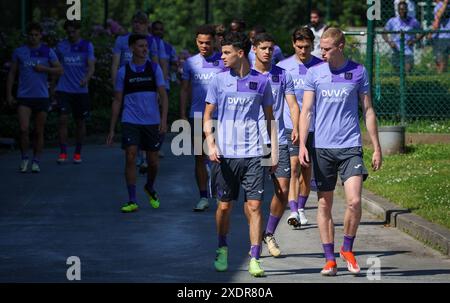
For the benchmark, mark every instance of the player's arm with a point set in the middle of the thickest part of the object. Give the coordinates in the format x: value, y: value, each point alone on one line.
x: 115, y: 111
x: 387, y: 37
x: 439, y: 14
x: 89, y: 74
x: 114, y: 67
x: 295, y: 113
x: 184, y: 97
x: 207, y: 129
x: 164, y: 102
x: 55, y: 68
x: 10, y: 81
x: 116, y: 105
x: 305, y: 121
x: 371, y: 124
x: 268, y: 115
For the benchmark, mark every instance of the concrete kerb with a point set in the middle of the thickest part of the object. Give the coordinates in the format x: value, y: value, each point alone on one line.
x: 433, y: 235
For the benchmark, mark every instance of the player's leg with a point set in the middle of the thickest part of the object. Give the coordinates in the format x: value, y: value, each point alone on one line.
x: 325, y: 173
x: 305, y: 184
x: 63, y: 109
x: 38, y: 144
x: 130, y: 143
x: 81, y: 113
x: 279, y: 201
x: 24, y: 115
x: 353, y: 173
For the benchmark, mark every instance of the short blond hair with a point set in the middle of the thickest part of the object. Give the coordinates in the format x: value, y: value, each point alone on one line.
x: 334, y: 33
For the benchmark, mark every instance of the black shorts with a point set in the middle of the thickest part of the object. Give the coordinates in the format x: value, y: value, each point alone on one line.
x: 328, y: 162
x: 146, y: 137
x: 284, y: 163
x: 294, y: 150
x: 77, y: 104
x: 228, y: 175
x: 35, y: 104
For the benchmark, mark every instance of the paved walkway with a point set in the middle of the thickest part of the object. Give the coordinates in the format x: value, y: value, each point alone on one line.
x: 73, y: 210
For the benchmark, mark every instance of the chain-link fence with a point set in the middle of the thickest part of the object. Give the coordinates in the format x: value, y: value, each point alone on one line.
x: 408, y: 82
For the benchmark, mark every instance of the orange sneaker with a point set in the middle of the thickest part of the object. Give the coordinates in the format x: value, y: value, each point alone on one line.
x: 330, y: 268
x: 349, y: 257
x: 62, y: 158
x: 77, y: 158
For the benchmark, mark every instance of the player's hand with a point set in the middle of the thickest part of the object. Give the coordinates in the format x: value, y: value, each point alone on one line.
x: 273, y: 169
x: 295, y: 137
x: 304, y: 156
x: 377, y: 160
x: 213, y: 154
x: 163, y: 127
x: 110, y: 138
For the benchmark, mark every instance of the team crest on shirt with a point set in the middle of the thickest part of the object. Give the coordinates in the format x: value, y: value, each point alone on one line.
x: 216, y: 63
x: 275, y: 78
x: 348, y: 76
x: 253, y: 85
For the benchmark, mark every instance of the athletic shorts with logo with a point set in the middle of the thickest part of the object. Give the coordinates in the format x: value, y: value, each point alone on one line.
x: 35, y: 104
x: 230, y: 174
x: 294, y: 150
x: 328, y: 162
x: 284, y: 162
x: 146, y: 137
x: 77, y: 104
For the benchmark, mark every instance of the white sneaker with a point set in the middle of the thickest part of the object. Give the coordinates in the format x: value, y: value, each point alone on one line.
x: 202, y: 204
x: 303, y: 219
x: 272, y: 245
x: 294, y: 219
x: 24, y: 166
x: 35, y: 167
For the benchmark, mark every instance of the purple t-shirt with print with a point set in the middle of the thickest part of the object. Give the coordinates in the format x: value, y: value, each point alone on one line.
x: 336, y: 103
x: 238, y: 102
x: 298, y: 72
x: 200, y: 71
x: 282, y: 85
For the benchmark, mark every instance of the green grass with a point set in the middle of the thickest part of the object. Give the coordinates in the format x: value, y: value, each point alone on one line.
x: 418, y: 180
x: 425, y: 126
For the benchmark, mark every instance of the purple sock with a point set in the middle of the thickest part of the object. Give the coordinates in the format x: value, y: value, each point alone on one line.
x: 255, y: 251
x: 348, y: 243
x: 329, y: 251
x: 35, y: 159
x: 24, y: 156
x: 272, y: 224
x: 78, y: 148
x: 302, y: 201
x: 63, y: 148
x: 132, y: 192
x: 203, y: 194
x: 293, y: 205
x: 222, y: 240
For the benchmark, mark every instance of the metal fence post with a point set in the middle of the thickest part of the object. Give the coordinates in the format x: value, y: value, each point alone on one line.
x: 402, y: 79
x: 369, y: 50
